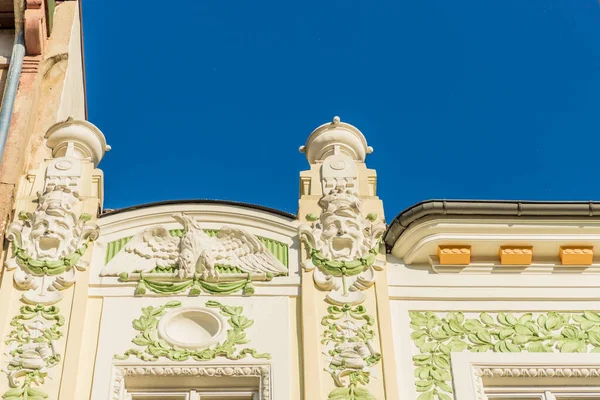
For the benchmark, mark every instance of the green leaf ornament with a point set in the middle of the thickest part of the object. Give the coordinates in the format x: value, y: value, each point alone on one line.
x: 437, y: 335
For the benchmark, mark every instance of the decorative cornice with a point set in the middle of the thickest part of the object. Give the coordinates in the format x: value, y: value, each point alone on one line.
x: 530, y: 372
x: 542, y: 372
x: 261, y: 371
x: 443, y: 209
x: 257, y: 207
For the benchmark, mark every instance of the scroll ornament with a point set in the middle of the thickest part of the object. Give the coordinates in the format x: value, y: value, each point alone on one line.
x: 48, y: 244
x: 343, y: 247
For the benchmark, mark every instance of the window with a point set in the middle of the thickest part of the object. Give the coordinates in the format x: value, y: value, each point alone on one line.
x: 543, y: 393
x: 153, y: 381
x: 526, y: 376
x: 193, y: 395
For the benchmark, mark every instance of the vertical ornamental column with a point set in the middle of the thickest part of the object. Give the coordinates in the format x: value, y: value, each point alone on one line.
x: 50, y: 236
x: 341, y: 235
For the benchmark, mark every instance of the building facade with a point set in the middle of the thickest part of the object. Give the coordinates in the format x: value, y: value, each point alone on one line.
x: 216, y: 300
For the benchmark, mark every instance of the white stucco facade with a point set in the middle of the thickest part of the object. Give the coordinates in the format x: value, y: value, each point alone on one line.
x: 218, y: 300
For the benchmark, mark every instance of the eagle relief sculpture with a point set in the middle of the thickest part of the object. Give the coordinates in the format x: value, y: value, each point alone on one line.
x: 167, y: 264
x: 343, y: 247
x: 48, y: 243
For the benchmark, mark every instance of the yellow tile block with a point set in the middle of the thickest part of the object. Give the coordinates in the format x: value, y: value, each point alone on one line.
x: 576, y: 255
x: 515, y: 255
x: 454, y: 254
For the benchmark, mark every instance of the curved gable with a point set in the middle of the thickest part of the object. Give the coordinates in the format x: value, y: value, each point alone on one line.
x: 275, y: 230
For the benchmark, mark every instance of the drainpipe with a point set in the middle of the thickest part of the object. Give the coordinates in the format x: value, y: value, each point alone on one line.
x: 12, y: 80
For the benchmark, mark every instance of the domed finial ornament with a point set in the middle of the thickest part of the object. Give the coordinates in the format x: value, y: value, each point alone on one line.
x: 336, y: 137
x: 78, y: 139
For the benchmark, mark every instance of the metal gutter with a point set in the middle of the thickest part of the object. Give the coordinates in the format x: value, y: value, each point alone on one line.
x: 200, y: 201
x: 12, y: 80
x: 492, y: 208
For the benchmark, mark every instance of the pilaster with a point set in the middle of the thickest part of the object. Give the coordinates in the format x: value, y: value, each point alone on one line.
x: 46, y: 269
x: 345, y: 305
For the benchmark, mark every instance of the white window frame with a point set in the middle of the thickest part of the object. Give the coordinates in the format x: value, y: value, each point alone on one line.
x: 470, y: 369
x: 191, y: 394
x: 122, y: 371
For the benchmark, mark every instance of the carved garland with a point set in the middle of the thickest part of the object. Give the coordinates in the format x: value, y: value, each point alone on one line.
x: 344, y: 268
x: 262, y: 371
x: 163, y: 284
x: 49, y: 267
x: 437, y: 335
x: 32, y: 350
x: 156, y: 347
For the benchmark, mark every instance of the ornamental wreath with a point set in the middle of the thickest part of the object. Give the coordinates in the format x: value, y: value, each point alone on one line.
x: 155, y: 347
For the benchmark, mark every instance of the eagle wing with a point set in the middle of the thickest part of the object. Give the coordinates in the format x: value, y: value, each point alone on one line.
x: 148, y: 249
x: 237, y: 248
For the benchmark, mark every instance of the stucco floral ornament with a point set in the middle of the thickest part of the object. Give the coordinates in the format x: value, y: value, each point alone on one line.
x: 48, y: 245
x: 349, y: 336
x: 31, y: 352
x: 343, y: 247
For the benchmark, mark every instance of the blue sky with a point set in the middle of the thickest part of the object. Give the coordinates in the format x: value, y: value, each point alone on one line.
x: 460, y: 99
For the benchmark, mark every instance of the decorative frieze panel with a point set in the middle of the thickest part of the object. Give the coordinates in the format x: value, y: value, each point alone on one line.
x: 48, y: 244
x: 436, y: 335
x: 343, y: 247
x: 193, y: 260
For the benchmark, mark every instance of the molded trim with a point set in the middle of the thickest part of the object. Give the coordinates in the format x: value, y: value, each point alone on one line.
x: 199, y: 201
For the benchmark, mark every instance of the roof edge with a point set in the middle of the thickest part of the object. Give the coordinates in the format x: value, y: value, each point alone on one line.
x: 492, y: 208
x: 199, y: 201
